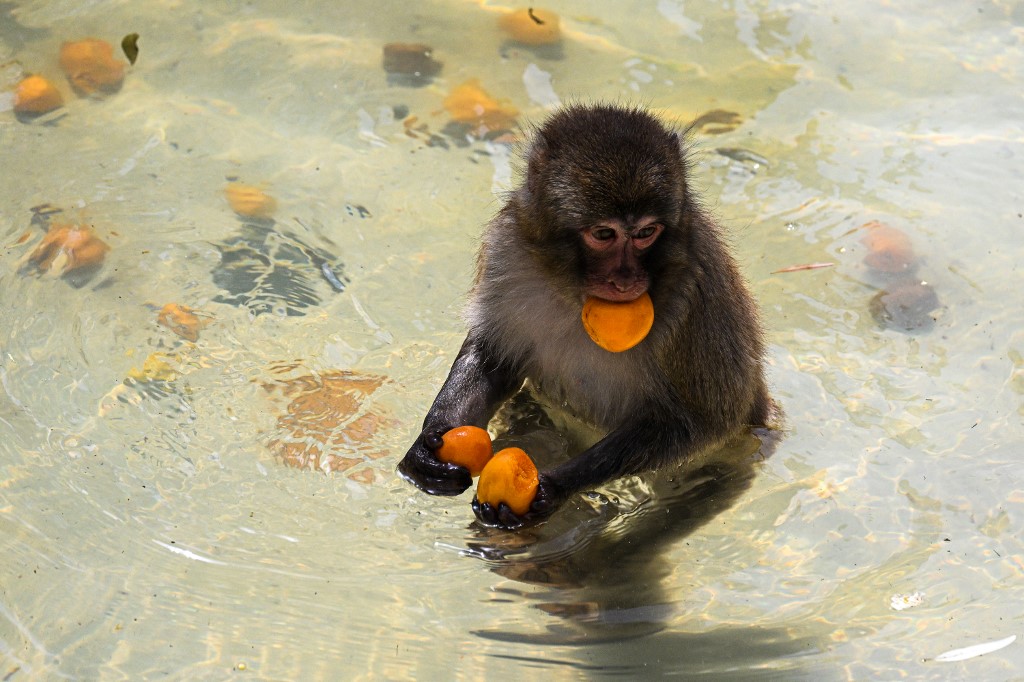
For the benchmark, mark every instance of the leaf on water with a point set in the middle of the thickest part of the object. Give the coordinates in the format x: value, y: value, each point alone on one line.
x: 976, y: 650
x: 805, y: 266
x: 130, y: 46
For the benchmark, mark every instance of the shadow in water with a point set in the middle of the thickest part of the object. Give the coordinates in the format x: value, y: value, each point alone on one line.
x: 602, y: 563
x: 724, y: 654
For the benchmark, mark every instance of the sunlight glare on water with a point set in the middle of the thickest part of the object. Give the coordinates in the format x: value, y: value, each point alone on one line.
x: 202, y: 403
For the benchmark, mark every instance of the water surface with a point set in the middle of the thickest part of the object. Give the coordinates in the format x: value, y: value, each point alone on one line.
x: 151, y: 523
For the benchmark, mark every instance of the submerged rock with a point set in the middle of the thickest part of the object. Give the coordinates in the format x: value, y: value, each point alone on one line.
x: 906, y: 307
x: 410, y: 64
x: 271, y: 271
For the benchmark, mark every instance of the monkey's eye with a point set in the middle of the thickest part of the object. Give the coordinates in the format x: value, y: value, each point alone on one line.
x: 646, y: 235
x: 601, y: 237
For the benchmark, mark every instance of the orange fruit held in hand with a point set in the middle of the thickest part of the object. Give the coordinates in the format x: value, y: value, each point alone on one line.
x: 467, y: 446
x: 510, y: 477
x: 618, y: 326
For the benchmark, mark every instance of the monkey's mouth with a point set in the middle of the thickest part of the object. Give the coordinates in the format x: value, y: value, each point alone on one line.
x: 609, y: 291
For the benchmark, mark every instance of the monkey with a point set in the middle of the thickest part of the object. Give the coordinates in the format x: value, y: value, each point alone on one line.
x: 605, y: 209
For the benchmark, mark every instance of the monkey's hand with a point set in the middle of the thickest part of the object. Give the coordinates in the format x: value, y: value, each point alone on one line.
x: 423, y: 469
x: 545, y: 502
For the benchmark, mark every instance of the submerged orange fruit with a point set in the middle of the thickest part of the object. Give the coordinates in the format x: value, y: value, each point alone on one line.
x: 618, y: 326
x: 469, y: 103
x: 181, y: 320
x: 249, y: 201
x: 531, y: 26
x: 510, y: 477
x: 68, y: 247
x: 467, y: 446
x: 36, y: 95
x: 91, y: 67
x: 889, y: 249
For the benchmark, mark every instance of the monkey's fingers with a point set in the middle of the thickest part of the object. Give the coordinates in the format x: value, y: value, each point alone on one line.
x: 485, y: 513
x: 509, y: 519
x: 423, y: 470
x: 496, y: 517
x: 541, y: 507
x: 434, y: 439
x: 546, y: 500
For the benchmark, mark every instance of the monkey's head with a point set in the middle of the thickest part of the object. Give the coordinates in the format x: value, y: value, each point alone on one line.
x: 604, y: 198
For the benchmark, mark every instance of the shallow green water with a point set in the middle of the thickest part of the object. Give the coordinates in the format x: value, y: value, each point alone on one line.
x: 149, y: 526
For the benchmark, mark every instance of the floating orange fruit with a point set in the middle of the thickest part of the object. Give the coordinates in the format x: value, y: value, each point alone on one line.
x: 531, y: 26
x: 469, y: 103
x: 36, y: 95
x: 249, y: 201
x: 510, y: 477
x: 467, y: 446
x: 618, y: 326
x: 90, y: 66
x: 181, y: 320
x: 69, y: 247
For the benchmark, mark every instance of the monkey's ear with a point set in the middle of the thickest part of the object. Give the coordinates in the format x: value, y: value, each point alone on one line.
x: 679, y: 143
x: 536, y: 163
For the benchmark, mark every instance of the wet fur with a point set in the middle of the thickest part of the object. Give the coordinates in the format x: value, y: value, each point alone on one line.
x: 695, y: 380
x: 705, y: 349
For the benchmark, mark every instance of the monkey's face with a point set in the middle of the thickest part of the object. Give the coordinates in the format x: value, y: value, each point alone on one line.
x: 607, y: 192
x: 613, y: 257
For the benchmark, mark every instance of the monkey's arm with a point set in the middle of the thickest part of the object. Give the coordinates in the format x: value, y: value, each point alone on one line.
x: 476, y: 385
x: 646, y: 443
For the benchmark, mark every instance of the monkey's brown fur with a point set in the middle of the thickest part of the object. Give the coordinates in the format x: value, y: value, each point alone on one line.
x: 696, y: 379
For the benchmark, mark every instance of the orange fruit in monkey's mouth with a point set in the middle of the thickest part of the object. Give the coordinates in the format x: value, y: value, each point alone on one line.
x: 467, y: 446
x: 618, y: 326
x: 510, y: 477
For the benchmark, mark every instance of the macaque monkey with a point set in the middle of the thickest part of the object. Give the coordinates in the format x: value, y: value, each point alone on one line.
x: 606, y: 210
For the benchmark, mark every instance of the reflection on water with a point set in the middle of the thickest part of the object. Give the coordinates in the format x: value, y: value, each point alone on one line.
x: 600, y: 569
x: 602, y: 564
x: 202, y: 401
x: 268, y: 270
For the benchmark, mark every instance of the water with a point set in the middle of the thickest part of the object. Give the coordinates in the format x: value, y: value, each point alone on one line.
x: 150, y: 526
